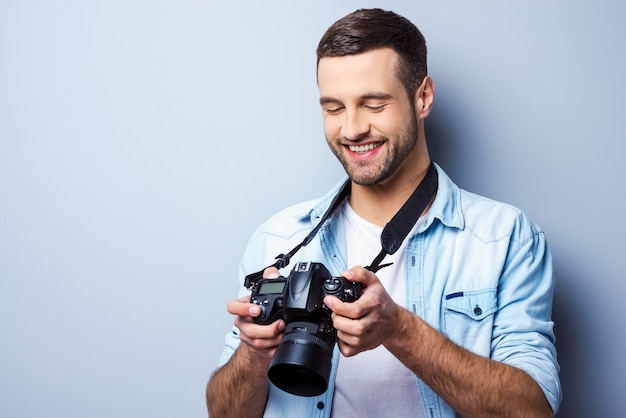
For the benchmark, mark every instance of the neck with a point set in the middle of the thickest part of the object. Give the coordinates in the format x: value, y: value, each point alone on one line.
x: 379, y: 203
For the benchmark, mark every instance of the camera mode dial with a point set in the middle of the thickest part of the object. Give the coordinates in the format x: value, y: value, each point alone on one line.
x: 332, y: 285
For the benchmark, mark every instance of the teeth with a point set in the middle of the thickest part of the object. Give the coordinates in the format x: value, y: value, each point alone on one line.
x: 364, y: 148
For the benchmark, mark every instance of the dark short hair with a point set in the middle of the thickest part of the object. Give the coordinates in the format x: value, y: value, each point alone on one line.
x: 368, y: 29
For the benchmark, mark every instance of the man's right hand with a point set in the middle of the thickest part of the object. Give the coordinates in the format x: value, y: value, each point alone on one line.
x: 244, y: 376
x: 261, y: 340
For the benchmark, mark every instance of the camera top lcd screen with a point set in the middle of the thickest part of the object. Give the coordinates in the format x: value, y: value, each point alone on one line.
x: 272, y: 287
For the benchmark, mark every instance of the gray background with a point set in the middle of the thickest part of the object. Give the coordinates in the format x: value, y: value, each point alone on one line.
x: 142, y: 141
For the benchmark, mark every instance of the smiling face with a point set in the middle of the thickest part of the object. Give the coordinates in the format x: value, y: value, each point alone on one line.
x: 369, y: 122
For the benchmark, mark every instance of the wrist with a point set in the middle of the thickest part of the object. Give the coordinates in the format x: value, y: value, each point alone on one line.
x: 255, y: 363
x: 406, y: 327
x: 396, y: 332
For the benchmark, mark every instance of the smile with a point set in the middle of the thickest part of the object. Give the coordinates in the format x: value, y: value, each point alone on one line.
x: 364, y: 148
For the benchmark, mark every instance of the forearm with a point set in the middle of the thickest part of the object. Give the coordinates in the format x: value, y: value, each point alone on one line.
x: 240, y: 387
x: 473, y: 385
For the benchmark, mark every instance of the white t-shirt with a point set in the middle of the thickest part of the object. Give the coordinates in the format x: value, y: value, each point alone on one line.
x: 374, y: 383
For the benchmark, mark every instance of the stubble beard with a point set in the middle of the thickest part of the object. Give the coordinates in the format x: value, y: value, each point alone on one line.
x: 368, y: 173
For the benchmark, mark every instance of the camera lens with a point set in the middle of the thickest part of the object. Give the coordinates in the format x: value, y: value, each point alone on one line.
x: 302, y: 363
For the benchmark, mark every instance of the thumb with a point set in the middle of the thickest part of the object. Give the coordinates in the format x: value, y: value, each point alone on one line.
x: 360, y: 275
x: 271, y: 273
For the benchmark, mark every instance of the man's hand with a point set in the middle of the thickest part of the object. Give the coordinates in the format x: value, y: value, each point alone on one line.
x: 473, y: 385
x: 367, y: 322
x: 261, y: 340
x: 244, y: 376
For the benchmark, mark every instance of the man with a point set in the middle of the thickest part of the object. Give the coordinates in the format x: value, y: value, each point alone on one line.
x: 459, y: 323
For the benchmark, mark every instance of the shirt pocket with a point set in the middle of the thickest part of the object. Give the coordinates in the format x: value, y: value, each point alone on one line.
x: 468, y: 319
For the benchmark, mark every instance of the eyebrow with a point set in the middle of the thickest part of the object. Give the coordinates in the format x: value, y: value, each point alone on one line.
x: 377, y: 95
x: 326, y: 100
x: 373, y: 95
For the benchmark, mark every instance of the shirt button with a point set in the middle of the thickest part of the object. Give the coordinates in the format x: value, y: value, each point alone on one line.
x: 320, y: 405
x: 477, y: 310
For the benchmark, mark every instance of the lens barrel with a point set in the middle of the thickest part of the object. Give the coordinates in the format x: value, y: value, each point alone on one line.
x: 302, y: 363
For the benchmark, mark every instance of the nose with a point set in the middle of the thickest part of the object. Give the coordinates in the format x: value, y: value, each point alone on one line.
x: 355, y: 125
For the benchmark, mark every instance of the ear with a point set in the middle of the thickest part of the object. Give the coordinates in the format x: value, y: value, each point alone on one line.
x: 424, y: 97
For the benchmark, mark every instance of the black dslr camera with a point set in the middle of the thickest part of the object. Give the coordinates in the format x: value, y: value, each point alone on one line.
x: 302, y: 363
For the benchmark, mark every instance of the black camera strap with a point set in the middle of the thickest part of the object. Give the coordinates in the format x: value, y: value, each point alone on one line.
x: 401, y: 224
x: 393, y: 233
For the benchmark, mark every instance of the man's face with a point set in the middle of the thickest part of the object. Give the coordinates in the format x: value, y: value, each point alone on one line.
x: 369, y: 122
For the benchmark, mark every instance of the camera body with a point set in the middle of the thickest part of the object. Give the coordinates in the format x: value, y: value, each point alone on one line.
x: 301, y: 294
x: 302, y: 363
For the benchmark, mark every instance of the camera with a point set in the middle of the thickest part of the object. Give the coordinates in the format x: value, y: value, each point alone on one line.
x: 302, y: 363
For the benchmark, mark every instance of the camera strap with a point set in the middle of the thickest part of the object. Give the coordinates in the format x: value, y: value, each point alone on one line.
x: 393, y: 233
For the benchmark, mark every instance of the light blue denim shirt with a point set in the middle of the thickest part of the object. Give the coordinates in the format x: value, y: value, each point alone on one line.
x: 477, y: 270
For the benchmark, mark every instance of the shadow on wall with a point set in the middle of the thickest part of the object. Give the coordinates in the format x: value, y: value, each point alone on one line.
x: 587, y: 391
x: 456, y: 145
x: 570, y: 350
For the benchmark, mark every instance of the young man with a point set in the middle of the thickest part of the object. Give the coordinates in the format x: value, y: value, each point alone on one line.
x: 460, y: 323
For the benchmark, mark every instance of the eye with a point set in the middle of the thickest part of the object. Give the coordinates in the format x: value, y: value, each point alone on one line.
x: 375, y: 107
x: 333, y: 110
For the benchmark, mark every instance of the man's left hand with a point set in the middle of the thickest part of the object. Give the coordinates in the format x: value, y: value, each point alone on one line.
x: 367, y: 322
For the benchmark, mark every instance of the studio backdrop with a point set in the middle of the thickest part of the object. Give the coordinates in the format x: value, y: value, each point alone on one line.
x: 142, y: 142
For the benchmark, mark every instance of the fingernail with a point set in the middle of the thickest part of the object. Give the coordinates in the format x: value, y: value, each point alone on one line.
x: 254, y: 310
x: 328, y: 301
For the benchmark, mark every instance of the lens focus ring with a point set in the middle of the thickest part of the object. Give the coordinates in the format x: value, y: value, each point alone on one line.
x: 303, y: 337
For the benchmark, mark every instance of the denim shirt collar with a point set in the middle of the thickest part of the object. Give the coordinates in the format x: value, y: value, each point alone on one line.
x: 446, y: 207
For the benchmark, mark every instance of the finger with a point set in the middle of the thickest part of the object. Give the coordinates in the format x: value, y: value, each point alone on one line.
x: 353, y: 310
x: 347, y: 350
x: 260, y: 343
x: 350, y: 328
x: 271, y: 273
x: 243, y: 307
x: 260, y: 337
x: 360, y: 275
x: 355, y: 341
x: 255, y: 331
x: 360, y: 307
